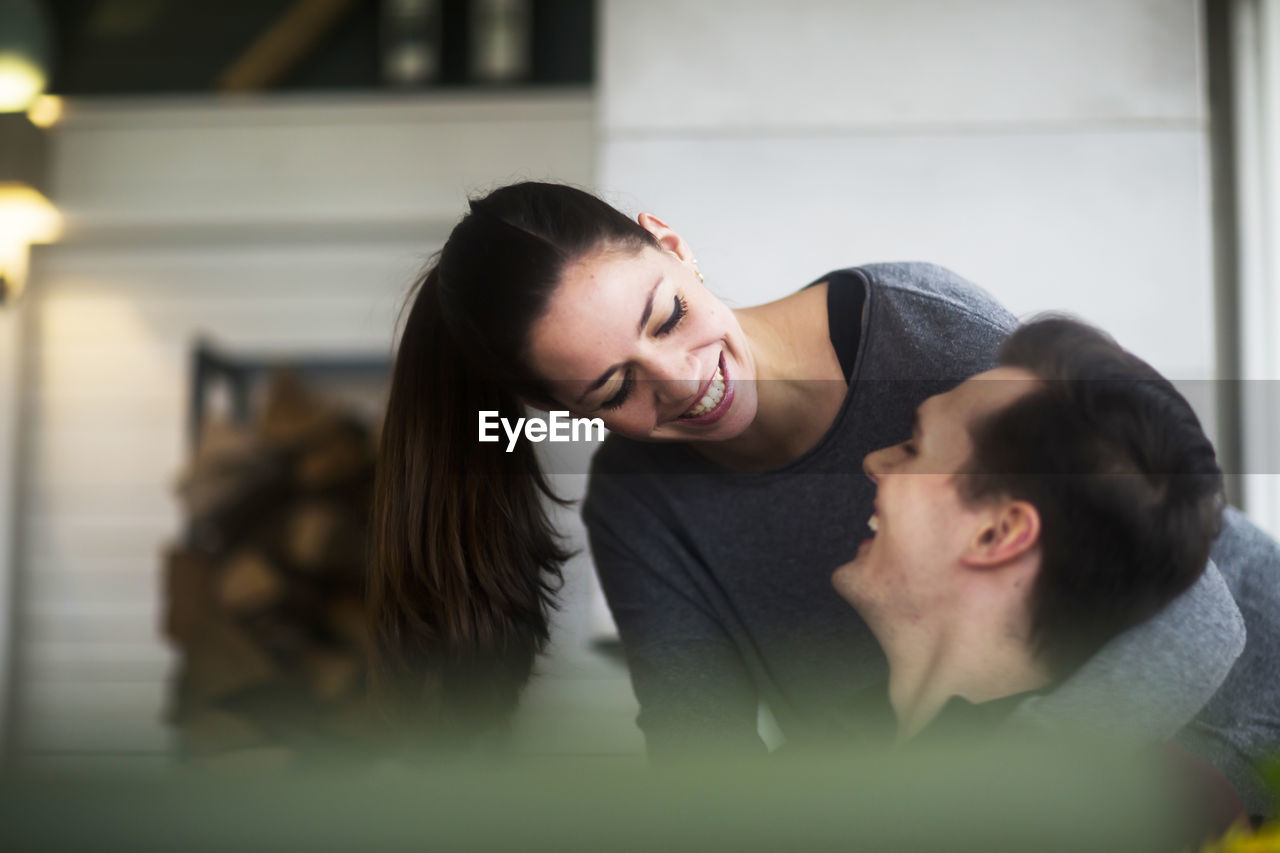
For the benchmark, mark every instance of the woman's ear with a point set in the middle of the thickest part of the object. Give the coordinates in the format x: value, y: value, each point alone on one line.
x: 666, y: 236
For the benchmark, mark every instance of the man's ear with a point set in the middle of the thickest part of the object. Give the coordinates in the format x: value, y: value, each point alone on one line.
x: 1009, y: 532
x: 666, y: 236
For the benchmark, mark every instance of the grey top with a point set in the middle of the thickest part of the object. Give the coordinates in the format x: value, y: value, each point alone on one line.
x: 1241, y: 724
x: 720, y: 582
x: 1239, y: 728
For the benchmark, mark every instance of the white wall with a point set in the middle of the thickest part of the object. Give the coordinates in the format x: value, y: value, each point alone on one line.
x: 1055, y: 153
x: 288, y: 227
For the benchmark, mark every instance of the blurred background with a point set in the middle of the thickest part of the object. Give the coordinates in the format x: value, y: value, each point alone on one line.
x: 196, y: 195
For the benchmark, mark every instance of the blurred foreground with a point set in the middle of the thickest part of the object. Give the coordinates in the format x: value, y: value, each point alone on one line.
x: 944, y: 798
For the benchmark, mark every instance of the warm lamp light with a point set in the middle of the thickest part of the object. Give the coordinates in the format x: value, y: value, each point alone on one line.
x: 13, y: 272
x: 26, y: 217
x: 21, y: 82
x: 24, y: 54
x: 45, y: 112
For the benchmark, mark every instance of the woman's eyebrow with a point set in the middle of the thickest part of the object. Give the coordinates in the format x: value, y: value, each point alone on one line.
x: 648, y: 309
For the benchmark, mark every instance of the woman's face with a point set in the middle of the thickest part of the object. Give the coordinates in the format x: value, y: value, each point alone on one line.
x: 634, y: 339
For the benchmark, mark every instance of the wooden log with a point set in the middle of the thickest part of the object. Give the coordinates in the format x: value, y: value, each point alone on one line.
x: 330, y: 674
x: 188, y: 580
x: 228, y: 467
x: 224, y: 660
x: 225, y: 497
x: 249, y: 582
x: 220, y: 439
x: 274, y: 658
x: 283, y: 633
x: 292, y: 413
x: 339, y: 456
x: 320, y: 537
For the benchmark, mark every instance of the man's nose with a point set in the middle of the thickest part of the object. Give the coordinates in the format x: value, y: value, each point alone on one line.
x: 873, y: 464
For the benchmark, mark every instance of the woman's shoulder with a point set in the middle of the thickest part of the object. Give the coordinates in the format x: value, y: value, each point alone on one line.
x: 948, y: 292
x: 924, y: 321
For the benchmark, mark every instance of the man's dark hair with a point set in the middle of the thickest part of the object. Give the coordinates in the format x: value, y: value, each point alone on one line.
x: 1127, y: 486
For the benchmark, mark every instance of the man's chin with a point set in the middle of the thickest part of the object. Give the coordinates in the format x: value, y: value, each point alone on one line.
x: 845, y: 579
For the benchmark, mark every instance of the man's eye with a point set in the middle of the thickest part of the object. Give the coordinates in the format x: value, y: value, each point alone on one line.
x: 678, y: 311
x: 618, y: 399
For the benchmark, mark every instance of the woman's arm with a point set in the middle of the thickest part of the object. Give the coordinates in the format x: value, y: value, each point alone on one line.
x: 1154, y: 678
x: 695, y: 692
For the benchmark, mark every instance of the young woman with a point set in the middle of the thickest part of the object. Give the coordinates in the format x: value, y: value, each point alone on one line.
x: 729, y: 489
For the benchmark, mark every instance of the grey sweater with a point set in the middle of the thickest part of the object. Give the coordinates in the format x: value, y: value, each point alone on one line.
x: 719, y: 582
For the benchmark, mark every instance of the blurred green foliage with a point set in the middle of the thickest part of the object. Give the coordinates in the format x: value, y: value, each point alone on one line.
x: 955, y: 798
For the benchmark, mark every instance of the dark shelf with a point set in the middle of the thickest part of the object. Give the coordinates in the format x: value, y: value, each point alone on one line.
x: 155, y: 47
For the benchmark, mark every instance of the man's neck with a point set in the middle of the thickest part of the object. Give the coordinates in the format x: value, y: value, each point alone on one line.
x: 972, y: 657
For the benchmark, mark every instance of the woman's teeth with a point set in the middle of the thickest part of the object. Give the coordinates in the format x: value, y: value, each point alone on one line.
x: 711, y: 399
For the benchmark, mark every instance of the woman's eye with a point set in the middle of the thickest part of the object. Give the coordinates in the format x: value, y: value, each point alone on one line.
x: 621, y: 397
x: 909, y: 448
x: 679, y: 309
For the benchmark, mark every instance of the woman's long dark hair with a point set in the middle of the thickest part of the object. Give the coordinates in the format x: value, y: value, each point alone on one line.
x: 464, y: 561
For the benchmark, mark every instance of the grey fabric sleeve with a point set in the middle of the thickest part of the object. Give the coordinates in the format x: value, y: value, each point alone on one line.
x: 694, y: 690
x: 1239, y: 731
x: 1150, y: 681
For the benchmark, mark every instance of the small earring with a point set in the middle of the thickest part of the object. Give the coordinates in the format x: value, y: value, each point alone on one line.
x: 698, y: 272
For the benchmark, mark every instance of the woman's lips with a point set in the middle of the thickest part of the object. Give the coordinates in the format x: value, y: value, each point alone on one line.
x: 725, y: 401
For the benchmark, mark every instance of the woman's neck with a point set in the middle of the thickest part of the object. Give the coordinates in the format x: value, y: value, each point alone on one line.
x: 799, y: 383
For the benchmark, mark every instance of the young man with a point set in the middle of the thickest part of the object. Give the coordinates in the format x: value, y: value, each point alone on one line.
x: 1037, y: 511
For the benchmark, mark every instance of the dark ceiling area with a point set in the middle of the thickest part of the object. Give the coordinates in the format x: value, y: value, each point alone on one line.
x: 141, y: 47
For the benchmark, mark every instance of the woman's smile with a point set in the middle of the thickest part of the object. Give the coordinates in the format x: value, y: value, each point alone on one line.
x: 714, y: 400
x: 636, y: 340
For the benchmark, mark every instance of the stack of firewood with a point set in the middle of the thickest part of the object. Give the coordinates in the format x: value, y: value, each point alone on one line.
x: 264, y: 597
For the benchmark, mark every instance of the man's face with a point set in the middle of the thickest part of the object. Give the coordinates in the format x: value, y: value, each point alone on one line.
x: 911, y: 566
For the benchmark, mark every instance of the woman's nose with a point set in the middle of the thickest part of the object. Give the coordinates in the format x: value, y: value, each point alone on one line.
x: 675, y: 375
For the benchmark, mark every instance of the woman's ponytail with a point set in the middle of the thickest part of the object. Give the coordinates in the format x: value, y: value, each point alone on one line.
x: 464, y: 561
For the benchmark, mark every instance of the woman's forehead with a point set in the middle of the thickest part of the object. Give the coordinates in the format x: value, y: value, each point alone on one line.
x: 593, y: 315
x: 613, y: 275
